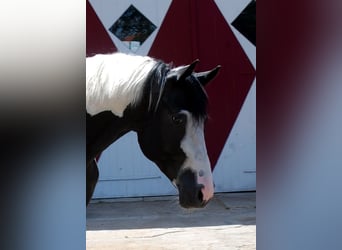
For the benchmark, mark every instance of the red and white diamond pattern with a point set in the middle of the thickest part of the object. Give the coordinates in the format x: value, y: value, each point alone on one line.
x: 187, y: 30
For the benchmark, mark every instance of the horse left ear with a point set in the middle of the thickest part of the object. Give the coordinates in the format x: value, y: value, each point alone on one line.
x: 184, y: 71
x: 207, y: 76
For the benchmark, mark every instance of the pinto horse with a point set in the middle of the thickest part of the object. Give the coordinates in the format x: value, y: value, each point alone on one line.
x: 165, y: 106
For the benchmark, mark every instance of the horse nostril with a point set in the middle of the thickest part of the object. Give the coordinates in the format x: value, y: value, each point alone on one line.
x: 200, y: 194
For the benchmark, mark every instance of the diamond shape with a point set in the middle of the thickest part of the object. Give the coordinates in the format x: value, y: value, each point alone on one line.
x: 245, y: 23
x: 132, y: 28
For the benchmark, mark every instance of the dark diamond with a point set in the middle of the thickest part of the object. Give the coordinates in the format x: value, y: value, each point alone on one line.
x: 245, y: 23
x: 132, y: 28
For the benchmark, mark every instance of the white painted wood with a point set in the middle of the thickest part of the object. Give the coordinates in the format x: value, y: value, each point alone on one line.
x: 236, y: 167
x: 125, y: 171
x: 231, y: 8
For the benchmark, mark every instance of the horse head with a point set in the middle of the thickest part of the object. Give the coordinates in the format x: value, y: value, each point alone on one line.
x: 172, y: 136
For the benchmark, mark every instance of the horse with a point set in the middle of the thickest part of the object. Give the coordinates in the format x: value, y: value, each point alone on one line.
x: 166, y: 106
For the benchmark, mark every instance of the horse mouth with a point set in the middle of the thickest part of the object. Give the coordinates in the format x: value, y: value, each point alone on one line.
x: 192, y: 194
x: 191, y: 197
x: 198, y: 204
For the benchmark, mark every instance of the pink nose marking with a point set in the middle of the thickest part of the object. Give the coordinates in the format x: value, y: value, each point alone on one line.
x: 208, y: 187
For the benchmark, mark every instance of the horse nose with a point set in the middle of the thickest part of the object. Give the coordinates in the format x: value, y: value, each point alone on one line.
x: 191, y: 197
x: 207, y: 187
x: 193, y: 192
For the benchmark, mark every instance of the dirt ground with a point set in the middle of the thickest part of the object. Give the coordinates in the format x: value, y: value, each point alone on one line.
x: 227, y: 222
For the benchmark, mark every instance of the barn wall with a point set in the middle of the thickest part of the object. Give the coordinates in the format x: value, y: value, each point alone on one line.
x: 186, y: 30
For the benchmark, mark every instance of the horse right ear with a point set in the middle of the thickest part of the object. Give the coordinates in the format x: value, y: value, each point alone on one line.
x: 207, y: 76
x: 183, y: 72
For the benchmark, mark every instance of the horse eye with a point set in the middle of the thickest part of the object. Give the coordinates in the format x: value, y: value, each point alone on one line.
x: 178, y: 119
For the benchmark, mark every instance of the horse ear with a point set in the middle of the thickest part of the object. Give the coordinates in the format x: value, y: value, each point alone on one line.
x: 207, y: 76
x: 184, y: 71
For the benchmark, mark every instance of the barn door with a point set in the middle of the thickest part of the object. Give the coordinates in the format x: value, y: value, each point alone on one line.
x: 180, y: 31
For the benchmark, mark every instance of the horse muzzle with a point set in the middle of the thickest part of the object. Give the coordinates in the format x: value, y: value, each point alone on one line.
x: 193, y: 192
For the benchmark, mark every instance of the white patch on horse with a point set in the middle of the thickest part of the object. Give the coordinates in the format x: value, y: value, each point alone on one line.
x: 193, y: 145
x: 114, y: 81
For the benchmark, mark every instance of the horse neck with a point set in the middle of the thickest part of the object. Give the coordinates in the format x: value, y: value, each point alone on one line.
x: 105, y: 128
x: 102, y: 130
